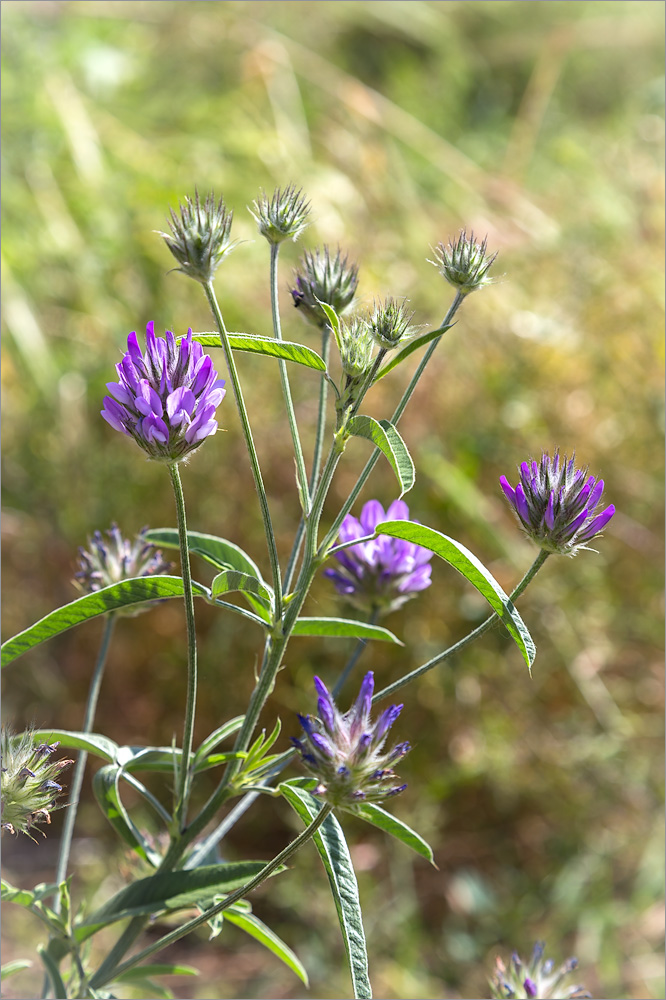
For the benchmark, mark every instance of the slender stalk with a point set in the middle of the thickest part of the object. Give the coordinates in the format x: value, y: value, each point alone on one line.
x: 77, y: 779
x: 252, y: 451
x: 398, y: 412
x: 354, y: 658
x: 317, y: 456
x: 102, y: 977
x: 465, y: 641
x: 184, y: 776
x: 301, y: 472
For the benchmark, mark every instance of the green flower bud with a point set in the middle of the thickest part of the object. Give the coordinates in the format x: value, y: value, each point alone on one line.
x: 389, y: 323
x: 30, y: 786
x: 282, y: 217
x: 199, y: 237
x: 464, y: 263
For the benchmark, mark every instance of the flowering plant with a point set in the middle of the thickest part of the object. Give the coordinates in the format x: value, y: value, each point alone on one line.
x: 167, y: 401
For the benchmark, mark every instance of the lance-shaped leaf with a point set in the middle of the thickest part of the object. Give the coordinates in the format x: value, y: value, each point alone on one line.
x: 257, y: 929
x: 10, y: 968
x: 107, y: 793
x: 332, y: 846
x: 94, y: 743
x: 385, y: 436
x: 473, y: 570
x: 343, y: 628
x: 177, y: 890
x: 270, y: 348
x: 374, y: 814
x: 412, y: 346
x: 230, y: 580
x: 137, y: 590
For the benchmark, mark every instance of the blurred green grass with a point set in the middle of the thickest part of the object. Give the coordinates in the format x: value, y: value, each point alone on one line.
x: 539, y: 124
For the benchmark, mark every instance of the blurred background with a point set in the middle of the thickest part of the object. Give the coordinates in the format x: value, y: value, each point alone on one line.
x: 538, y: 124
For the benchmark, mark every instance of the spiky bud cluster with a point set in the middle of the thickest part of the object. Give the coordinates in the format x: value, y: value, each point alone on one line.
x: 344, y: 752
x: 389, y: 323
x: 30, y: 788
x: 556, y: 504
x: 199, y: 237
x: 464, y: 262
x: 537, y: 978
x: 115, y: 558
x: 284, y: 216
x: 356, y: 347
x: 324, y: 277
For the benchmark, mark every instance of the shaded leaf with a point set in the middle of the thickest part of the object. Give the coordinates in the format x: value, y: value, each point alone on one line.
x: 257, y: 929
x: 374, y: 814
x: 343, y: 628
x: 107, y: 793
x: 412, y: 346
x: 385, y: 436
x: 10, y: 968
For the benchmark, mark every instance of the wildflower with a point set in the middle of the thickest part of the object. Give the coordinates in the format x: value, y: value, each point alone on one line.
x: 556, y: 504
x: 381, y: 574
x: 30, y: 788
x: 166, y: 398
x: 116, y: 558
x: 464, y: 263
x: 324, y: 278
x: 389, y: 323
x: 199, y: 237
x: 284, y: 216
x: 344, y: 752
x: 535, y: 979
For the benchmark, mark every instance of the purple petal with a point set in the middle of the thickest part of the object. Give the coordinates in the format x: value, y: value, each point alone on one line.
x: 180, y: 405
x: 325, y: 706
x: 549, y: 516
x: 598, y: 523
x: 385, y: 721
x: 398, y: 511
x: 508, y: 490
x: 521, y: 504
x: 322, y: 744
x: 595, y: 495
x: 371, y: 515
x: 114, y: 414
x: 154, y: 429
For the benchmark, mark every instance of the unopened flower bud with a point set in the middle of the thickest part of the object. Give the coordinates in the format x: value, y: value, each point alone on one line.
x: 389, y: 323
x: 356, y: 347
x: 282, y: 217
x: 323, y: 277
x: 115, y: 558
x: 199, y: 237
x: 464, y: 263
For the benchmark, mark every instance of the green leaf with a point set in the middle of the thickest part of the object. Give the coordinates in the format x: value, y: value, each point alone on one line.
x: 385, y: 436
x: 52, y: 971
x: 137, y: 590
x: 171, y: 891
x: 105, y: 787
x: 343, y: 628
x: 10, y: 968
x: 285, y: 349
x: 374, y: 814
x: 412, y: 346
x: 334, y: 320
x: 27, y: 897
x: 218, y: 735
x: 159, y: 969
x: 257, y: 929
x: 332, y: 846
x: 230, y: 579
x: 100, y: 746
x: 473, y: 570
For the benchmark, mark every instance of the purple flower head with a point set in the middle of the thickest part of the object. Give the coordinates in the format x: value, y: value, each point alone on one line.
x: 166, y: 398
x: 383, y: 573
x: 537, y: 978
x: 115, y: 558
x: 558, y: 505
x: 345, y: 752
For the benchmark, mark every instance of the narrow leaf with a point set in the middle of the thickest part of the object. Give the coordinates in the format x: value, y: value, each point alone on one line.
x: 473, y: 570
x: 230, y: 579
x: 99, y: 746
x: 159, y: 969
x: 374, y: 814
x: 138, y: 590
x: 334, y: 320
x: 220, y: 734
x: 332, y: 846
x: 257, y: 929
x: 385, y: 436
x: 412, y: 346
x: 52, y: 972
x: 343, y: 628
x: 171, y: 891
x: 10, y: 968
x: 107, y: 793
x: 285, y: 349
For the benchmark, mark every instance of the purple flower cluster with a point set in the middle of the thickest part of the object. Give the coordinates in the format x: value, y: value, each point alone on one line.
x: 536, y: 978
x: 166, y: 398
x: 383, y: 573
x: 344, y: 752
x: 557, y: 504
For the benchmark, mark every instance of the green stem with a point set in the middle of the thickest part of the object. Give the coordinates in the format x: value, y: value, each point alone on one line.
x: 353, y: 659
x: 184, y: 776
x: 301, y: 471
x: 470, y: 637
x: 100, y: 979
x: 254, y: 460
x: 77, y: 779
x: 320, y: 434
x: 399, y: 410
